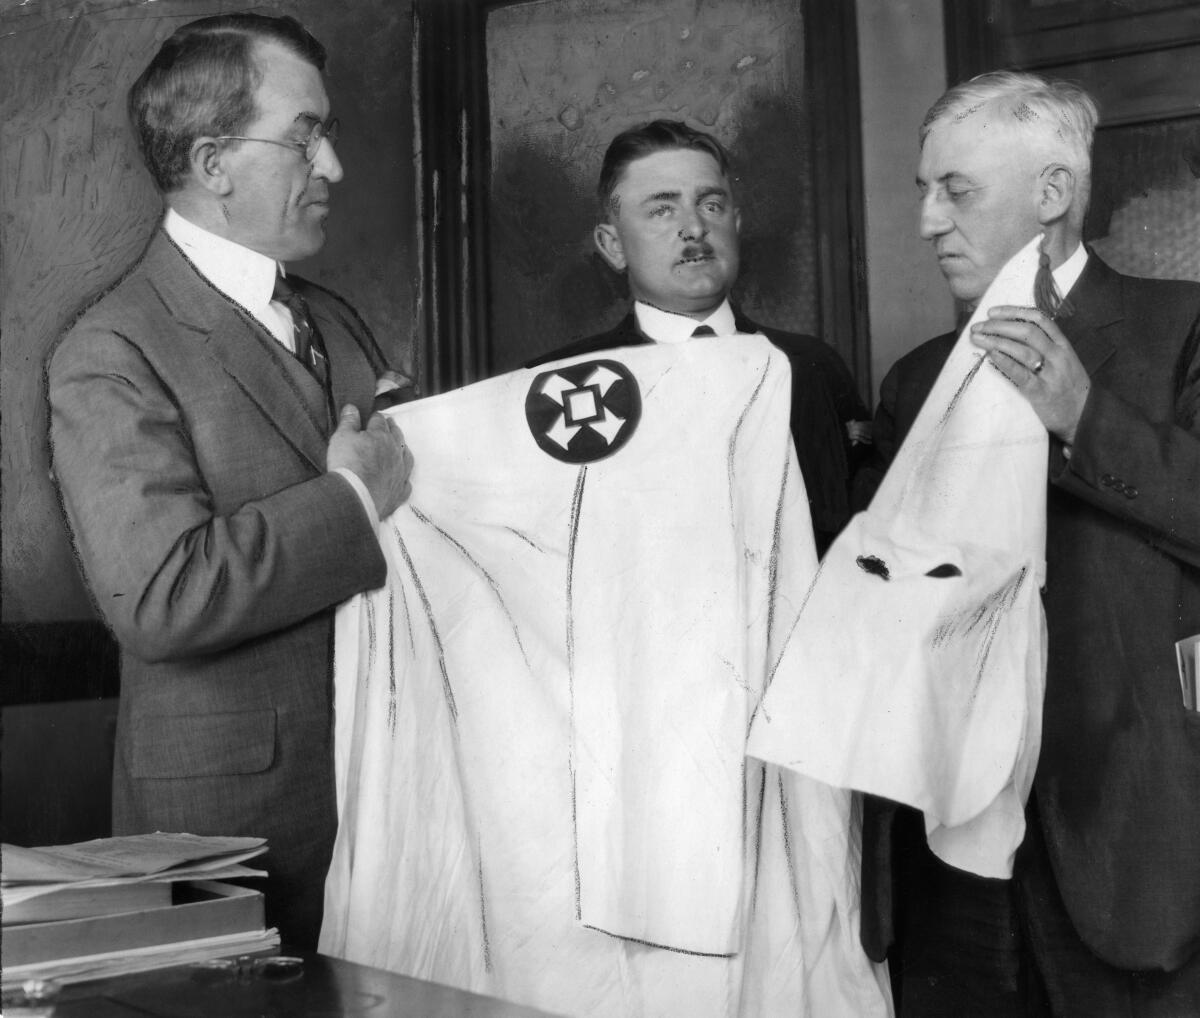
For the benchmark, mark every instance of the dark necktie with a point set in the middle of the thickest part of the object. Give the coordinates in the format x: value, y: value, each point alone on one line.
x: 1045, y: 291
x: 704, y: 330
x: 310, y: 349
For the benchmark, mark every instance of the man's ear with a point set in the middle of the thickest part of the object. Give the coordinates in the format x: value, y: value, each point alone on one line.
x: 1057, y: 192
x: 207, y: 160
x: 608, y: 243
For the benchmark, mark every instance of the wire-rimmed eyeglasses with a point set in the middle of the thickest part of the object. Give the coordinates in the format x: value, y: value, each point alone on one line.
x: 327, y: 131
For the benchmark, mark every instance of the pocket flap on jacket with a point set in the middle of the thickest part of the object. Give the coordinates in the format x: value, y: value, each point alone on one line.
x: 202, y: 745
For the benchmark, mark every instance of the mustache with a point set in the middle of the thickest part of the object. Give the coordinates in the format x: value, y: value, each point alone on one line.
x: 701, y: 250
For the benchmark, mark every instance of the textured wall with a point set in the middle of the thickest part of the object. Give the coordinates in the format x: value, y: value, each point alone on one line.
x: 565, y: 76
x: 76, y: 206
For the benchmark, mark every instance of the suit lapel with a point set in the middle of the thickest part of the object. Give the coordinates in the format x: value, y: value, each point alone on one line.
x: 1094, y: 328
x: 261, y: 369
x: 627, y: 333
x: 287, y: 396
x: 744, y: 324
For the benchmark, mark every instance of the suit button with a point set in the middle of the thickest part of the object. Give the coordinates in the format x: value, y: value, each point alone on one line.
x: 1131, y: 491
x: 1107, y: 480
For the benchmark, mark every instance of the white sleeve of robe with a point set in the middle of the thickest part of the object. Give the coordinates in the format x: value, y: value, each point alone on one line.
x: 917, y: 665
x: 541, y: 718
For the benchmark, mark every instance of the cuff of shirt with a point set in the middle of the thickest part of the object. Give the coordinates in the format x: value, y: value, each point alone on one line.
x: 364, y: 496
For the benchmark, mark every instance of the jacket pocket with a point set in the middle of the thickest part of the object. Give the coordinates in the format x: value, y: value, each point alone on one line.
x: 203, y: 745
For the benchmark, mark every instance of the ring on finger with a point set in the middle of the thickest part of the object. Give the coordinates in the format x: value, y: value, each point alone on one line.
x: 1037, y: 368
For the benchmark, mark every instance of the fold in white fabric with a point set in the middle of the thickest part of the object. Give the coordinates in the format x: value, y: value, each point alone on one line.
x: 917, y: 665
x: 541, y: 718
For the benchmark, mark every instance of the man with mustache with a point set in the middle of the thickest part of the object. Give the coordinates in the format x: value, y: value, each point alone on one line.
x: 218, y: 462
x: 669, y: 219
x: 1102, y: 914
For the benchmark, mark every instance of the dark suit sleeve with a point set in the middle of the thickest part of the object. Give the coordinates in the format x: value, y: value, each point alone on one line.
x: 850, y: 406
x: 174, y: 576
x: 901, y: 396
x: 1141, y: 470
x: 884, y: 442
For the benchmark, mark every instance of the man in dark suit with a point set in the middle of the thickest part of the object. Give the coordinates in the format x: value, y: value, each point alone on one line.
x: 220, y: 504
x: 669, y: 220
x: 1102, y: 916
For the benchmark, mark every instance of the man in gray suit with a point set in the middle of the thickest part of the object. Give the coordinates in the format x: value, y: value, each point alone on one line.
x: 220, y: 502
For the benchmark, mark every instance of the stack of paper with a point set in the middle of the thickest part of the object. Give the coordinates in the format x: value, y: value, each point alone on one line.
x: 112, y: 875
x: 119, y: 905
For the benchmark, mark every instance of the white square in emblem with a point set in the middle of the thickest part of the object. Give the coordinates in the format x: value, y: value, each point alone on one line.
x: 582, y: 405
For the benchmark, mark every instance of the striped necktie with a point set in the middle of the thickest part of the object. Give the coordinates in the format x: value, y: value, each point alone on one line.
x: 310, y: 349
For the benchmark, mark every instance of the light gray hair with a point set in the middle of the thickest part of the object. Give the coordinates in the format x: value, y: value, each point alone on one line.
x: 1059, y: 115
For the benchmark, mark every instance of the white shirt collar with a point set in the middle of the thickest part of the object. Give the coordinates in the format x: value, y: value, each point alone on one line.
x: 1068, y: 273
x: 244, y: 276
x: 668, y: 327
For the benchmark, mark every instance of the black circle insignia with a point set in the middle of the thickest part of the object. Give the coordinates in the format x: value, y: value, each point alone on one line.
x: 583, y: 412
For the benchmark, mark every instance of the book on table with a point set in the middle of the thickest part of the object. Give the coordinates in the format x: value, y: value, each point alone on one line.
x: 202, y: 916
x: 70, y: 902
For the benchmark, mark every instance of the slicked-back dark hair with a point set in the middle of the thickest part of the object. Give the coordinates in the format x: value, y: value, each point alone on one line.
x: 202, y: 82
x: 646, y: 139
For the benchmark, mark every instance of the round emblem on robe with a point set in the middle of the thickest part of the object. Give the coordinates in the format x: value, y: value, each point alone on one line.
x: 583, y: 412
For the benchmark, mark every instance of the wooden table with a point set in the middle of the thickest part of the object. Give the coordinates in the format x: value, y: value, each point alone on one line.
x: 326, y: 988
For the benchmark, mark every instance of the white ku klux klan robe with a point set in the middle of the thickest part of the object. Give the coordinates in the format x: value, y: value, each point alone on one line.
x: 541, y: 718
x: 917, y: 665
